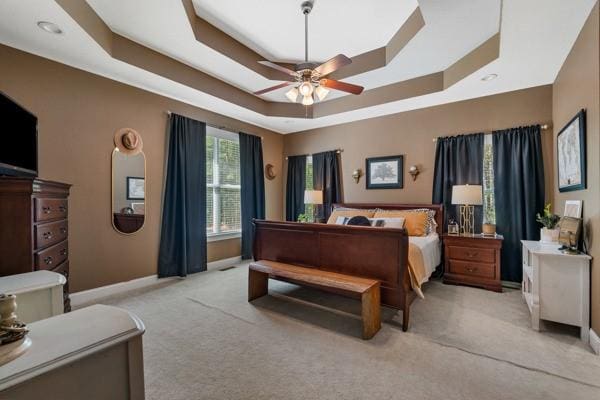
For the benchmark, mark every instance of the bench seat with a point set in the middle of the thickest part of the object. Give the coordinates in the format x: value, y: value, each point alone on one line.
x: 366, y: 289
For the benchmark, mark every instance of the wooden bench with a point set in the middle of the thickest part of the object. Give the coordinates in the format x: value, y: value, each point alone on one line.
x: 365, y: 289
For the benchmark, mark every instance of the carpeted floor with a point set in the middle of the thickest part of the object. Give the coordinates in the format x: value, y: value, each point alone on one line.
x: 203, y: 340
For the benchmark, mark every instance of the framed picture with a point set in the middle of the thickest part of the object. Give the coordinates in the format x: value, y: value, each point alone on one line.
x: 385, y: 172
x: 571, y: 155
x: 139, y: 208
x: 573, y: 208
x: 135, y: 188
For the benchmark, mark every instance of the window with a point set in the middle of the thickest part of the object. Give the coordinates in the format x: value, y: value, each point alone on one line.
x: 308, y: 208
x: 489, y: 207
x: 223, y: 207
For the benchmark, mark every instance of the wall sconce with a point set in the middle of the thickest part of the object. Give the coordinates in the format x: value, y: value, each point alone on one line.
x: 414, y: 172
x: 356, y: 174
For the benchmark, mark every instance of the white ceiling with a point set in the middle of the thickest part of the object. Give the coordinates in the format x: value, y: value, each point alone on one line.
x: 536, y: 38
x: 275, y: 28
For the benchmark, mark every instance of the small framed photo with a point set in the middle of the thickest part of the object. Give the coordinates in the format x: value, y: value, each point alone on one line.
x: 385, y: 172
x: 571, y: 155
x: 139, y: 208
x: 136, y: 188
x: 573, y: 208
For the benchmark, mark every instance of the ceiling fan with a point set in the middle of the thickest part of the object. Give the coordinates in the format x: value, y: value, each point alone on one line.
x: 309, y: 78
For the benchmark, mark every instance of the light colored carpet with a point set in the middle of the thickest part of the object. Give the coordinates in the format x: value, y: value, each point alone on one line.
x: 205, y: 341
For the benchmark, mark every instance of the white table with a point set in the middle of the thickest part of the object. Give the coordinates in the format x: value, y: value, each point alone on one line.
x: 556, y: 286
x: 94, y: 353
x: 39, y: 294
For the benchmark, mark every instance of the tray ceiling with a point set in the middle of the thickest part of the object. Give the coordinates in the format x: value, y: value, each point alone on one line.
x: 155, y: 47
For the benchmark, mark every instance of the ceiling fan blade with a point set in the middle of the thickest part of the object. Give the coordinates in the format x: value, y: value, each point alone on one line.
x: 279, y: 68
x: 334, y: 64
x: 281, y: 85
x: 343, y: 86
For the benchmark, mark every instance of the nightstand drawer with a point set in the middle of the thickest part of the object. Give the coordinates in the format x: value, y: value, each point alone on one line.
x: 480, y: 270
x: 472, y: 254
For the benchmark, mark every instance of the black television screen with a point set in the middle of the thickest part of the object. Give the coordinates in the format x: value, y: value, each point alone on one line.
x: 18, y: 139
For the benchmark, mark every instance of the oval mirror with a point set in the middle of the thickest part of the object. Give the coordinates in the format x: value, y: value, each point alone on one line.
x: 128, y: 191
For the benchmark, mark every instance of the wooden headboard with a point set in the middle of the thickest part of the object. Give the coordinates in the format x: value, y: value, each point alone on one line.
x: 438, y: 208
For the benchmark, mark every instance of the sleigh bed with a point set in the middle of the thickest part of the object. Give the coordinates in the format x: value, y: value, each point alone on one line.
x: 376, y: 253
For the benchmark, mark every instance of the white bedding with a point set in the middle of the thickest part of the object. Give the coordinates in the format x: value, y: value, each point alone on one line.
x: 431, y: 248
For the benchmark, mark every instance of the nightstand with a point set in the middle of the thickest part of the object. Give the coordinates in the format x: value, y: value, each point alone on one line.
x: 473, y: 260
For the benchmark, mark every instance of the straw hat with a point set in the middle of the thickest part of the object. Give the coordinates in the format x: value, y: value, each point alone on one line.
x: 128, y: 141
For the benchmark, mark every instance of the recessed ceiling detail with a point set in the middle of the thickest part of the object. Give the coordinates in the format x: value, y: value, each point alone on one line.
x: 221, y: 42
x: 133, y: 53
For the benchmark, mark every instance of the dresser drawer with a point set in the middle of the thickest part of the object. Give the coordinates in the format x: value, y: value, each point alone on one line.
x: 52, y: 256
x: 472, y: 254
x: 50, y: 209
x: 473, y: 269
x: 50, y: 233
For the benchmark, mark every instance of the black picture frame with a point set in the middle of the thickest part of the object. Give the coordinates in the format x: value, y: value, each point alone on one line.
x: 374, y: 162
x: 561, y: 157
x: 130, y: 182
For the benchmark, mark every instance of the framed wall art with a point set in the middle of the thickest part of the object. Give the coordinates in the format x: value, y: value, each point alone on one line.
x: 135, y: 188
x: 385, y: 172
x: 571, y: 155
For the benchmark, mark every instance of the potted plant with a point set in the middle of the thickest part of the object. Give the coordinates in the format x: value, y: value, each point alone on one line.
x: 303, y: 218
x: 549, y: 233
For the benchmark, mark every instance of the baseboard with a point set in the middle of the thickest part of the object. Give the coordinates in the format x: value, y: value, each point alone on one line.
x: 595, y: 342
x: 92, y: 295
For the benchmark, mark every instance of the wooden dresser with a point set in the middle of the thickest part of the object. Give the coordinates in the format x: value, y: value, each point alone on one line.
x: 473, y: 260
x: 34, y: 230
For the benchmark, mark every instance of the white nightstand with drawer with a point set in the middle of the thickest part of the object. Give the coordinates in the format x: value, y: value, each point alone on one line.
x: 556, y: 286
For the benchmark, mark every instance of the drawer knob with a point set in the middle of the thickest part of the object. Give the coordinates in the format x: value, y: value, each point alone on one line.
x: 472, y: 255
x: 62, y: 208
x: 47, y: 235
x: 48, y: 260
x: 471, y: 268
x: 63, y: 230
x: 63, y: 252
x: 47, y: 209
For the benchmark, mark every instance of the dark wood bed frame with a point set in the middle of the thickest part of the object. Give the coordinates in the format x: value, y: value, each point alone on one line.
x: 380, y: 254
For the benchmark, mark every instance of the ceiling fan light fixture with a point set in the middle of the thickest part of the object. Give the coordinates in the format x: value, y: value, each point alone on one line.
x: 321, y: 92
x: 292, y: 94
x: 308, y: 100
x: 306, y: 88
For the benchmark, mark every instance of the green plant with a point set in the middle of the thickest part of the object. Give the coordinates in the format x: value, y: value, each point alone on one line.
x: 549, y: 220
x: 303, y: 218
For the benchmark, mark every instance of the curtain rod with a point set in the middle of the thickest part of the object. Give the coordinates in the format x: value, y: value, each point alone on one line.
x: 336, y: 150
x: 224, y: 128
x: 543, y: 127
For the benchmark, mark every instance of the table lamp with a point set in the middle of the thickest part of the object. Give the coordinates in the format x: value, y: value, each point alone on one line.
x: 313, y: 197
x: 467, y: 196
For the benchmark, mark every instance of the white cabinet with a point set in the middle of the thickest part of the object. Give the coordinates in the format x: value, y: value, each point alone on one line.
x: 39, y: 294
x: 556, y: 286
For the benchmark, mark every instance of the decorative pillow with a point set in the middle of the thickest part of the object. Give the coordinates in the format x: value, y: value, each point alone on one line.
x: 415, y: 222
x: 431, y: 224
x: 347, y: 212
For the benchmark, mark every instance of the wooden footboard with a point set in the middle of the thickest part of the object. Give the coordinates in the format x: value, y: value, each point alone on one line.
x: 375, y: 253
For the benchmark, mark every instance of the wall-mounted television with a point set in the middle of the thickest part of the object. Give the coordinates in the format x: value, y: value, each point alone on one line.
x: 18, y: 139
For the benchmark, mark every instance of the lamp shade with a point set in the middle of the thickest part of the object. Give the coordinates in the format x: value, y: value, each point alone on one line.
x: 467, y: 194
x: 313, y: 197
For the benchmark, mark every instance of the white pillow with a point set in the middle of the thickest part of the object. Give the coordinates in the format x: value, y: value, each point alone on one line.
x: 397, y: 223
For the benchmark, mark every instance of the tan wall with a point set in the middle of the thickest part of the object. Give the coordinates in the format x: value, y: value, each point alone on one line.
x: 78, y: 115
x: 411, y: 134
x: 577, y: 86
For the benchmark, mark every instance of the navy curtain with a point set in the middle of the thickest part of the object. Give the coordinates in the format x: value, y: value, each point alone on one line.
x: 253, y: 188
x: 182, y: 248
x: 296, y: 184
x: 518, y: 191
x: 458, y: 161
x: 326, y: 177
